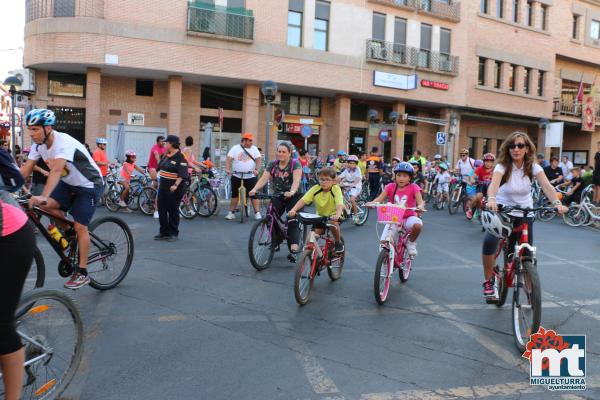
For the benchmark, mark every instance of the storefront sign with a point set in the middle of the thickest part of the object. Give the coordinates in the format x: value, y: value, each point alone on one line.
x: 435, y: 85
x: 307, y: 121
x: 297, y: 128
x: 394, y: 81
x: 135, y: 119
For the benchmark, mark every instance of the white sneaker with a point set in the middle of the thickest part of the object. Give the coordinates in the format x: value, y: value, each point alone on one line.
x: 257, y: 216
x: 230, y: 216
x: 122, y: 204
x: 155, y: 214
x: 412, y: 248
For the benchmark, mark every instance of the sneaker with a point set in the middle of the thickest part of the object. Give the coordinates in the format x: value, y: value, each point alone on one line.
x: 77, y: 280
x: 293, y: 258
x: 339, y: 247
x: 488, y: 289
x: 469, y: 214
x: 160, y: 236
x: 412, y: 248
x: 122, y: 204
x: 155, y: 214
x: 171, y: 238
x: 230, y: 216
x: 257, y: 216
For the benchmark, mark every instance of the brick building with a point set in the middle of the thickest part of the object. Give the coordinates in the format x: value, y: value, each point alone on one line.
x: 477, y: 70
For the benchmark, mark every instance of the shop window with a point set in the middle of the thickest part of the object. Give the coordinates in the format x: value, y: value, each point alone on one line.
x: 486, y: 147
x: 71, y: 121
x: 301, y: 105
x: 472, y: 144
x: 224, y: 97
x: 481, y: 72
x: 144, y: 87
x: 66, y: 84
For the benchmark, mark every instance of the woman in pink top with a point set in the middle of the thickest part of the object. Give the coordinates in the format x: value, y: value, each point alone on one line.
x: 188, y: 153
x: 156, y: 153
x: 17, y: 242
x: 402, y: 191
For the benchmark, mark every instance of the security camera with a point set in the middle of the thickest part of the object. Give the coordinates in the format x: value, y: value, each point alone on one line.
x: 372, y: 115
x: 543, y: 123
x: 394, y: 116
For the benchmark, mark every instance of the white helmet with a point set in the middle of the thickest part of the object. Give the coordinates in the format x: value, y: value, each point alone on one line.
x: 496, y: 224
x: 352, y: 158
x: 437, y: 157
x: 101, y: 140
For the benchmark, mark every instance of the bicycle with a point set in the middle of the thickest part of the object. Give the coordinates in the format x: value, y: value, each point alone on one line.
x: 582, y: 214
x: 141, y: 196
x: 243, y: 195
x: 111, y: 248
x: 362, y: 213
x: 392, y: 254
x: 206, y: 201
x: 458, y: 196
x: 51, y: 330
x: 316, y: 257
x: 547, y: 214
x: 267, y: 235
x: 520, y: 273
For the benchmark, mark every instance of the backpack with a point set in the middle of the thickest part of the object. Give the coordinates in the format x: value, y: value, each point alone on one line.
x: 11, y: 179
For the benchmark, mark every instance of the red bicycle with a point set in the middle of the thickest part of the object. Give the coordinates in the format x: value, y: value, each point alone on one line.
x: 318, y: 254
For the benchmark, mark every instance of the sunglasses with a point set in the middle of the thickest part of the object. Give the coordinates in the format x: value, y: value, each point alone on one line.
x: 513, y: 146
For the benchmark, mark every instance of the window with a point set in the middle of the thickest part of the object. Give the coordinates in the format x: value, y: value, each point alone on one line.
x: 529, y: 13
x: 225, y: 97
x: 424, y: 52
x: 295, y: 9
x: 472, y: 144
x: 500, y: 8
x: 511, y: 77
x: 497, y: 74
x: 481, y: 73
x: 66, y: 84
x: 400, y: 41
x: 144, y: 87
x: 575, y: 33
x: 595, y: 29
x: 301, y: 105
x: 358, y: 112
x: 321, y: 26
x: 526, y: 77
x: 486, y: 145
x: 378, y: 26
x: 233, y: 3
x: 64, y: 8
x: 483, y: 6
x: 544, y: 18
x: 540, y: 83
x: 515, y: 11
x: 445, y: 36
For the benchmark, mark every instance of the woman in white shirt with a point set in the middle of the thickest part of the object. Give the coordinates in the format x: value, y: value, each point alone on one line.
x: 511, y: 186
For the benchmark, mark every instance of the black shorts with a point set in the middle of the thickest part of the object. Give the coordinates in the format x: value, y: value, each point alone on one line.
x: 596, y: 178
x: 236, y: 182
x: 482, y: 188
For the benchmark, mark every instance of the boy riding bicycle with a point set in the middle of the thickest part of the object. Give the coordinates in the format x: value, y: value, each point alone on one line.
x: 350, y: 181
x: 329, y: 202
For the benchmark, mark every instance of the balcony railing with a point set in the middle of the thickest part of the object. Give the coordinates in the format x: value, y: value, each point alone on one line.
x: 221, y: 21
x: 395, y: 53
x: 35, y: 9
x: 447, y: 9
x: 571, y: 108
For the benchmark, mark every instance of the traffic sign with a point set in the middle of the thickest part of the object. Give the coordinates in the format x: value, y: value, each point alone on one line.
x: 306, y: 131
x: 384, y: 135
x: 440, y: 139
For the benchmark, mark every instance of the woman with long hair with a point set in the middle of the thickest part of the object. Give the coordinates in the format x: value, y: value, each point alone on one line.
x: 511, y: 186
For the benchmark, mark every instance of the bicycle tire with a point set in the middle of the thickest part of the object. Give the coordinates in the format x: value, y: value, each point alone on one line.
x: 186, y: 209
x: 574, y: 216
x: 147, y: 200
x: 40, y: 382
x: 363, y: 211
x: 303, y: 276
x: 112, y: 199
x: 453, y: 205
x: 269, y: 246
x: 405, y: 266
x: 134, y: 201
x: 242, y: 203
x: 336, y: 274
x: 545, y: 215
x: 521, y: 334
x: 124, y: 269
x: 381, y: 283
x: 502, y: 286
x: 207, y: 202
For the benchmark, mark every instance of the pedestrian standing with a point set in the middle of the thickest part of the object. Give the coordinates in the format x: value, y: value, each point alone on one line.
x: 374, y: 171
x: 173, y: 173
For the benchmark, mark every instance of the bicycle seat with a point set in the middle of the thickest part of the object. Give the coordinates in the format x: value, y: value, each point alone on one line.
x: 310, y: 219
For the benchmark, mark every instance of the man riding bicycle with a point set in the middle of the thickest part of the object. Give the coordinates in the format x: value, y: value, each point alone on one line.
x: 74, y: 183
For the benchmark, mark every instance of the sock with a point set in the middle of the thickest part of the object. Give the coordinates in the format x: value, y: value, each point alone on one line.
x: 82, y: 271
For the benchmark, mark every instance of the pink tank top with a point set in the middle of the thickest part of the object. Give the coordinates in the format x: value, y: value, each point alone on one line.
x: 11, y: 219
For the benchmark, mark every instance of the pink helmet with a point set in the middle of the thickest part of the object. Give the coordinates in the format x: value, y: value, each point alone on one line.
x: 130, y: 153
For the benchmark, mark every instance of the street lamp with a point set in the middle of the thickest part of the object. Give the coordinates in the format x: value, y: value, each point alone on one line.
x: 13, y: 82
x: 269, y: 90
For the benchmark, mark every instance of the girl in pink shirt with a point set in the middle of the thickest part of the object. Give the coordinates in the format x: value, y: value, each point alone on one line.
x: 127, y: 170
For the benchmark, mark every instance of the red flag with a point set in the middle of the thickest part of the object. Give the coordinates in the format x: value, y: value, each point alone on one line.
x: 580, y: 91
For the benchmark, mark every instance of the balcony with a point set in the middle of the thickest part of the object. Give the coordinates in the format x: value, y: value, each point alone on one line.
x: 221, y: 22
x: 36, y: 9
x: 401, y: 55
x: 572, y: 108
x: 445, y: 9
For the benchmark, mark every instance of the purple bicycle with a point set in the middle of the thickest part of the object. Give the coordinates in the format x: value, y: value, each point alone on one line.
x: 267, y: 235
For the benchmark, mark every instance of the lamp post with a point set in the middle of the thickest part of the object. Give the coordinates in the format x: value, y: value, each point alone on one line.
x: 269, y: 90
x: 13, y: 82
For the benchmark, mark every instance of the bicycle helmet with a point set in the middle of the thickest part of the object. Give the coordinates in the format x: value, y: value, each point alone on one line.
x: 40, y: 117
x: 496, y: 224
x: 443, y: 166
x: 130, y: 153
x: 404, y: 167
x: 415, y: 162
x: 478, y: 163
x: 489, y: 157
x: 101, y: 140
x: 341, y: 153
x: 352, y: 158
x: 437, y: 157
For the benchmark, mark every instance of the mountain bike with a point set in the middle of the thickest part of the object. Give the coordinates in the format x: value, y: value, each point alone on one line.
x: 141, y: 195
x: 206, y: 201
x: 267, y: 235
x: 516, y: 267
x: 393, y: 254
x: 318, y: 254
x: 458, y: 196
x: 51, y: 330
x: 111, y: 248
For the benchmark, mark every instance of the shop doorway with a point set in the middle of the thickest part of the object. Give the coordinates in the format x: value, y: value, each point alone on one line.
x: 70, y: 121
x: 358, y: 140
x: 409, y: 145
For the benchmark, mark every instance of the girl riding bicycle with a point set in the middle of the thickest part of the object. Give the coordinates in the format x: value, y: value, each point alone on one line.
x: 402, y: 191
x: 511, y: 186
x: 127, y: 170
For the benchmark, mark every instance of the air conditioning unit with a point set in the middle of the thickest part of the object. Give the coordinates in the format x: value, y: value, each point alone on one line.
x: 27, y: 77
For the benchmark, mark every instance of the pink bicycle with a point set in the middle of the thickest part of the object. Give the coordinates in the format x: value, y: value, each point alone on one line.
x: 393, y: 253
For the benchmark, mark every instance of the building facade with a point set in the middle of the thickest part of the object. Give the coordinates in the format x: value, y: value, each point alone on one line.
x: 476, y: 70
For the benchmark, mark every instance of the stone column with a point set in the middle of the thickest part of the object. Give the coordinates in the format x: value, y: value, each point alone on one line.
x: 341, y: 131
x: 308, y: 22
x: 519, y: 74
x: 523, y: 12
x: 398, y: 134
x: 92, y: 105
x: 489, y: 72
x: 174, y: 116
x: 534, y: 75
x: 493, y: 146
x: 504, y: 75
x: 452, y: 147
x: 536, y: 15
x: 478, y: 148
x: 251, y: 115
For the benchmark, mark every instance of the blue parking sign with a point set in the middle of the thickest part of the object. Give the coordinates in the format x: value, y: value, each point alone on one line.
x: 440, y: 138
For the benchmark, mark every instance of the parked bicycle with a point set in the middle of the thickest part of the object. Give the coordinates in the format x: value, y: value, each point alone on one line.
x: 141, y: 196
x: 582, y: 214
x: 199, y: 199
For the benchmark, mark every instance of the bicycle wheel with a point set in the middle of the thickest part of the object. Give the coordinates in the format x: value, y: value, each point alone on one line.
x: 545, y: 215
x: 134, y: 200
x: 51, y: 329
x: 334, y: 269
x: 242, y: 203
x: 575, y: 216
x: 526, y: 305
x: 112, y: 199
x: 186, y: 207
x: 453, y: 204
x: 147, y: 200
x: 303, y: 281
x: 206, y: 202
x: 499, y: 271
x: 37, y: 272
x: 405, y: 266
x: 382, y: 277
x: 111, y: 252
x: 362, y: 214
x: 260, y: 244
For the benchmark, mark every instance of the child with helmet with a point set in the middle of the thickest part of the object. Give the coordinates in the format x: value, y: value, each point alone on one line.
x: 127, y: 170
x: 443, y: 179
x: 350, y: 180
x: 403, y: 191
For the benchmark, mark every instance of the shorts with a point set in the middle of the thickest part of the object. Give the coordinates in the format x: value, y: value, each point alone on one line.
x: 442, y: 187
x: 80, y: 202
x: 408, y: 225
x: 471, y: 190
x: 596, y: 178
x: 354, y: 192
x: 236, y: 183
x: 482, y: 188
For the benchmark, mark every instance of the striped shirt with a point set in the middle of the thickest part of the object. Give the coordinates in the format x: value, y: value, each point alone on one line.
x: 171, y: 168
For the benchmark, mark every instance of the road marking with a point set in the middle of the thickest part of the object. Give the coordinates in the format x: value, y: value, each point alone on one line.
x: 214, y: 318
x: 573, y: 263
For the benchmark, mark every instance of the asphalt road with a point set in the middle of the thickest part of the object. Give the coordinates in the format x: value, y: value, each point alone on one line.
x: 194, y: 320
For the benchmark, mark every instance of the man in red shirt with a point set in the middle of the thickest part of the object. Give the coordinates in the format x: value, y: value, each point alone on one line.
x: 156, y: 153
x: 99, y: 156
x: 484, y: 177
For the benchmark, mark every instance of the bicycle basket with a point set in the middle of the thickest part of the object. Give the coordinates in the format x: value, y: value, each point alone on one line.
x: 390, y: 214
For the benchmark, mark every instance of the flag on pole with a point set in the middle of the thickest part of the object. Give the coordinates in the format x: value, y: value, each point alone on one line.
x: 580, y: 90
